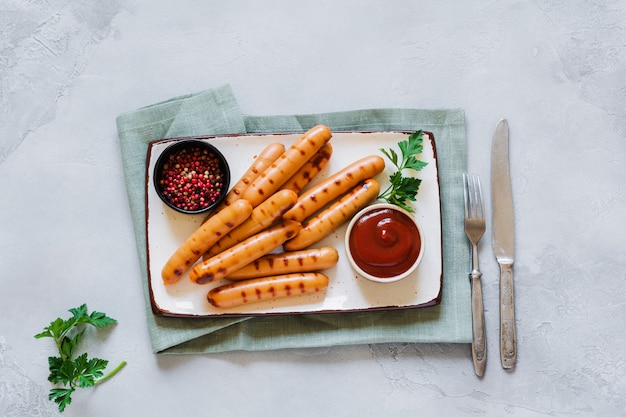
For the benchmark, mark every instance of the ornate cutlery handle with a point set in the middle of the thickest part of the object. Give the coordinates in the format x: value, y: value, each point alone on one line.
x: 479, y: 344
x: 508, y: 342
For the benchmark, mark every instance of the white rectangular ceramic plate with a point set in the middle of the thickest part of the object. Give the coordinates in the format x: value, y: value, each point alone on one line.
x: 347, y: 291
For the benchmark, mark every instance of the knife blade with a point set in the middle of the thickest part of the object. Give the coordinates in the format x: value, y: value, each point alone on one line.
x: 503, y: 240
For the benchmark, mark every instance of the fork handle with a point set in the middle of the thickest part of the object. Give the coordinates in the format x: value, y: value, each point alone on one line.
x: 479, y: 342
x: 508, y: 340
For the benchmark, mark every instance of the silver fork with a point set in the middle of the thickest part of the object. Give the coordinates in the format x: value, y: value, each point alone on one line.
x: 474, y: 229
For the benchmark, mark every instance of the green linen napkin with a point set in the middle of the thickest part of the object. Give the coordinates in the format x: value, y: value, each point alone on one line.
x: 216, y: 111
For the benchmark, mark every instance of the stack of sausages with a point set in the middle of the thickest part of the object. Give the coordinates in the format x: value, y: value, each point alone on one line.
x: 266, y: 209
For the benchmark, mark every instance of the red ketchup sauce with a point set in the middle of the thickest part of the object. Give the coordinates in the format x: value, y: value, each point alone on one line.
x: 385, y: 242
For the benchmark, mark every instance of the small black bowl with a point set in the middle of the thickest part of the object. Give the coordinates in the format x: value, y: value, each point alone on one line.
x: 191, y: 176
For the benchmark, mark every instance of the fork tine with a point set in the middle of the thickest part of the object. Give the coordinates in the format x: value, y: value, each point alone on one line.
x: 478, y: 198
x: 471, y: 197
x: 474, y: 198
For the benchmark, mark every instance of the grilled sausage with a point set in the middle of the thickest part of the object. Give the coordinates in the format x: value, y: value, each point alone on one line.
x: 329, y: 219
x: 334, y: 186
x: 243, y: 253
x: 305, y: 175
x: 203, y: 238
x: 294, y: 157
x: 262, y: 217
x: 309, y: 260
x: 267, y: 288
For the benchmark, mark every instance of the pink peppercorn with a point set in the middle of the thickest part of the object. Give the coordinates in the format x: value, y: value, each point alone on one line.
x: 192, y: 179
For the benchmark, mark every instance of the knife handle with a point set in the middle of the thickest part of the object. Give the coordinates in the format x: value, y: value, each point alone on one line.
x: 508, y: 342
x: 479, y: 340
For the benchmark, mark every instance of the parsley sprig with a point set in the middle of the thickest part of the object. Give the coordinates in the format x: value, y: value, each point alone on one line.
x: 79, y: 372
x: 403, y: 188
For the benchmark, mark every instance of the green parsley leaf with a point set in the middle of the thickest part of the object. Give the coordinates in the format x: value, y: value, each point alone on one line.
x: 61, y: 396
x: 403, y: 188
x: 81, y: 372
x: 100, y: 320
x: 54, y: 365
x: 87, y: 371
x: 392, y: 155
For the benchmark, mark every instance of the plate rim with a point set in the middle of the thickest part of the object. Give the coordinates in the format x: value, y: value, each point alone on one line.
x: 162, y: 312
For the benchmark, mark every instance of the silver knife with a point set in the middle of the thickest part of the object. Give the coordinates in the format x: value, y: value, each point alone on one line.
x: 503, y: 231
